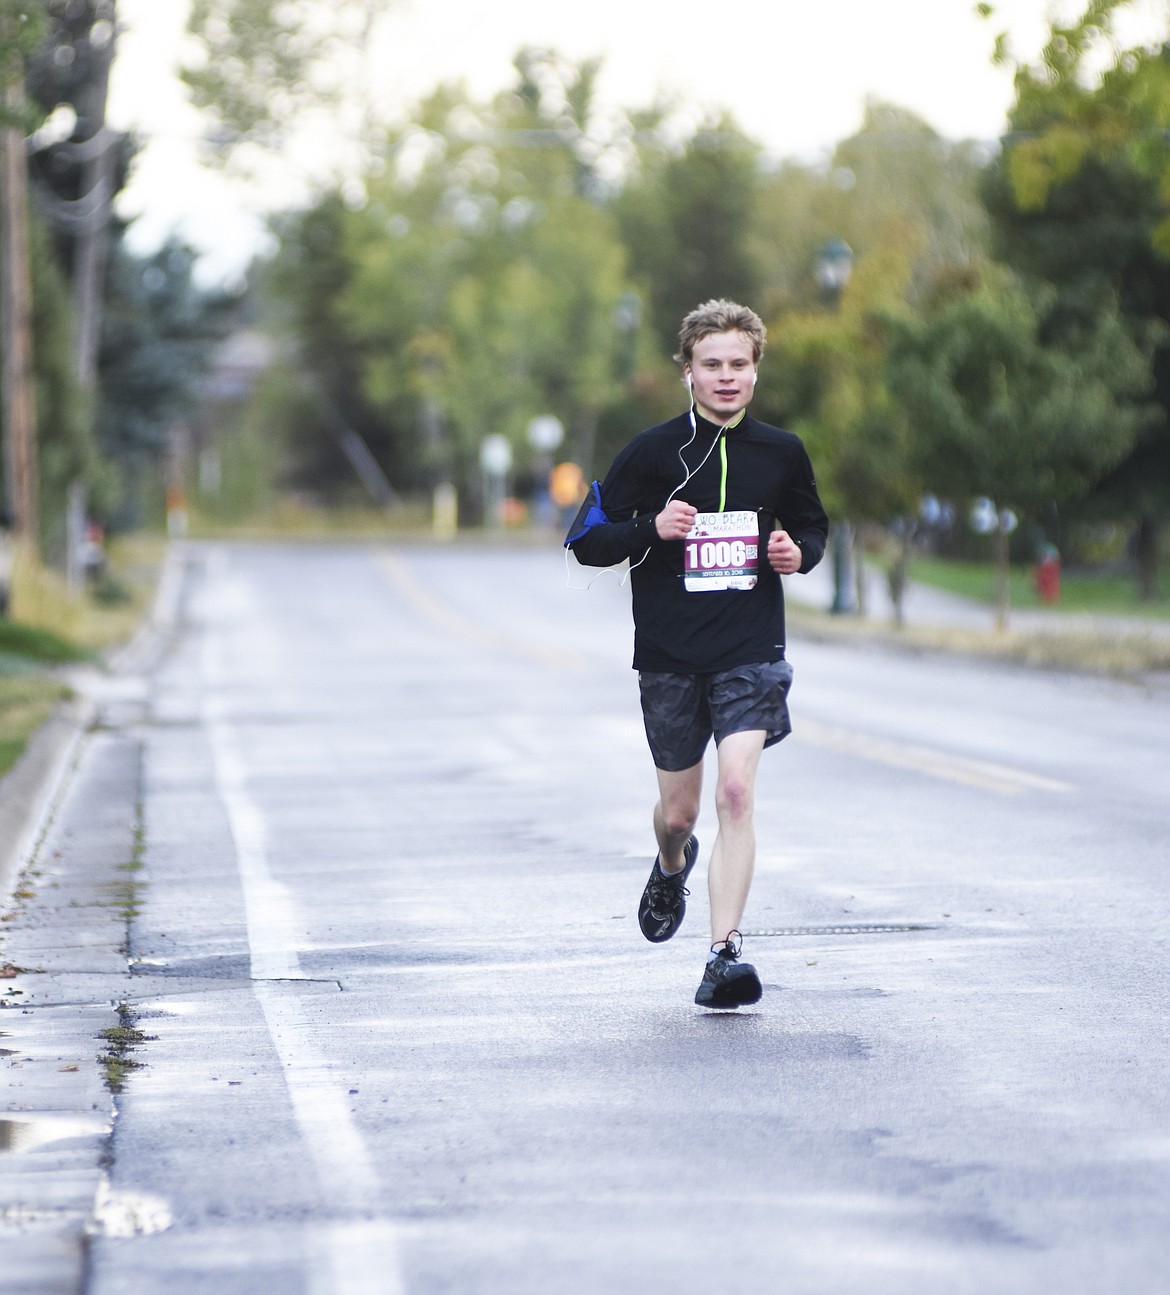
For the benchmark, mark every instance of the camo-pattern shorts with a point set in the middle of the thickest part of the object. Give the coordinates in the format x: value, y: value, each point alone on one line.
x: 683, y: 711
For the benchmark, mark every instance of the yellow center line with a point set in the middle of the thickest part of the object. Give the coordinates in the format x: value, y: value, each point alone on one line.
x: 445, y: 616
x: 984, y: 774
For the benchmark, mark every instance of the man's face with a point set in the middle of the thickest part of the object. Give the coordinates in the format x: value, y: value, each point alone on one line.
x: 723, y: 373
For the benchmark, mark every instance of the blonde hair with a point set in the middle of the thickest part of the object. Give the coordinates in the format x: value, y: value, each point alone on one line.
x: 720, y: 316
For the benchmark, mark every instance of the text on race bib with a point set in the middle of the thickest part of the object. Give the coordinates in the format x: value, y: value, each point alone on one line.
x: 721, y: 551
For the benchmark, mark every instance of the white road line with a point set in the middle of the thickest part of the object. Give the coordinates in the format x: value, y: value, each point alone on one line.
x: 269, y: 909
x: 999, y: 778
x: 346, y: 1258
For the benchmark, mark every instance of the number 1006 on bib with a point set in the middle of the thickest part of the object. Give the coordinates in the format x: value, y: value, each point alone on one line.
x: 712, y: 562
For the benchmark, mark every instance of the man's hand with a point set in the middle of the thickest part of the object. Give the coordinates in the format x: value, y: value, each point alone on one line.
x: 784, y: 553
x: 674, y: 522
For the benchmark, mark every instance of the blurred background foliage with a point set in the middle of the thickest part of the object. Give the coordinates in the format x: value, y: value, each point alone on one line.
x: 948, y: 320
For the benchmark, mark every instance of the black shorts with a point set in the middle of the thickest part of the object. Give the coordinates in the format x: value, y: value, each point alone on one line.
x: 682, y: 711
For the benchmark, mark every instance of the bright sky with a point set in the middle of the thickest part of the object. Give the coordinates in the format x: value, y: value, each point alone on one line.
x: 795, y: 74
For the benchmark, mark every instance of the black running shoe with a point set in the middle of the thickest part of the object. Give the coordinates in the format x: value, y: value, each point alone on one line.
x: 664, y: 901
x: 727, y: 982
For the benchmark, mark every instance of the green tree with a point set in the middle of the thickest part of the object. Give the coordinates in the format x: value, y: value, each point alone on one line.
x: 895, y: 182
x: 825, y: 377
x: 77, y: 166
x: 78, y: 177
x: 67, y: 449
x: 263, y: 68
x: 905, y: 201
x: 303, y: 290
x: 21, y: 26
x: 686, y: 215
x: 487, y: 233
x: 157, y: 342
x: 1078, y: 201
x: 995, y: 412
x: 901, y: 174
x: 265, y: 73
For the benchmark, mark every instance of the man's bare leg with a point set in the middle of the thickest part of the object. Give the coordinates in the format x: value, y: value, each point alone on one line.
x: 733, y: 858
x: 676, y: 813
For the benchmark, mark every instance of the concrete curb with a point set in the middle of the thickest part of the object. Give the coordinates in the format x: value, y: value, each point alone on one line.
x: 31, y: 791
x: 138, y: 654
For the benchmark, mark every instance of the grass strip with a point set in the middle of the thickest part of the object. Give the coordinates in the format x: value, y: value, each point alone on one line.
x: 1125, y: 656
x: 54, y: 627
x: 1098, y: 593
x: 26, y: 701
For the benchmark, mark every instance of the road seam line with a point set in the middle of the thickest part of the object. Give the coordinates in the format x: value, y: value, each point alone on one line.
x: 356, y: 1258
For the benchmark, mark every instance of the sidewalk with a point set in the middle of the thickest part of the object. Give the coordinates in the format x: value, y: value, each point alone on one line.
x: 69, y: 833
x: 927, y: 607
x: 64, y: 943
x: 29, y: 791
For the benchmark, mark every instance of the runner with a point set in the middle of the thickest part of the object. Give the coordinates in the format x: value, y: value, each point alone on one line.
x: 710, y: 509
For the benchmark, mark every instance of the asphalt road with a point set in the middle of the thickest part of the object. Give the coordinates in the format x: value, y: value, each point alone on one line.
x: 360, y: 858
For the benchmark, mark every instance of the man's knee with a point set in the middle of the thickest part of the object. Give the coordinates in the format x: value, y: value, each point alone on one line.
x: 735, y: 796
x: 678, y: 801
x: 739, y: 761
x: 679, y: 816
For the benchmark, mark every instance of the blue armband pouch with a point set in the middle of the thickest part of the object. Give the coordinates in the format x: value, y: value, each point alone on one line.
x: 589, y: 515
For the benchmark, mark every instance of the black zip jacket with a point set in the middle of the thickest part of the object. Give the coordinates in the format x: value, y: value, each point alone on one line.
x: 767, y: 472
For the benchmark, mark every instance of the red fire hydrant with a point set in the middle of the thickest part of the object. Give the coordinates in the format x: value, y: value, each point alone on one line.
x: 1048, y: 575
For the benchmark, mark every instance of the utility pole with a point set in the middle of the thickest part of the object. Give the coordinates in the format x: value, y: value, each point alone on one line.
x: 19, y: 411
x: 93, y: 147
x: 87, y: 220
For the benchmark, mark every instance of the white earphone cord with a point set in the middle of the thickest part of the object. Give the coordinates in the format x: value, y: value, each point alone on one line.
x: 689, y: 473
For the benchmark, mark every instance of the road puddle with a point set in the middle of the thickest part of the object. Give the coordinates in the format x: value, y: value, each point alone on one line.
x: 33, y: 1132
x: 120, y: 1213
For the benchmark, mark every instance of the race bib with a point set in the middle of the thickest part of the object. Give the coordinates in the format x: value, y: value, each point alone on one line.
x: 721, y: 551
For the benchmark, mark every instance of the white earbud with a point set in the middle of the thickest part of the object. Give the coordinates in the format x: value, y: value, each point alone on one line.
x: 755, y: 377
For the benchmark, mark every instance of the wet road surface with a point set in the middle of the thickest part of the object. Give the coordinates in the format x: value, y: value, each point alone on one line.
x: 356, y: 871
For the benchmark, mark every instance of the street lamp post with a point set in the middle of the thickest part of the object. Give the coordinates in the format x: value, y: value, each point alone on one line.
x: 495, y: 458
x: 545, y: 433
x: 627, y: 316
x: 832, y: 271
